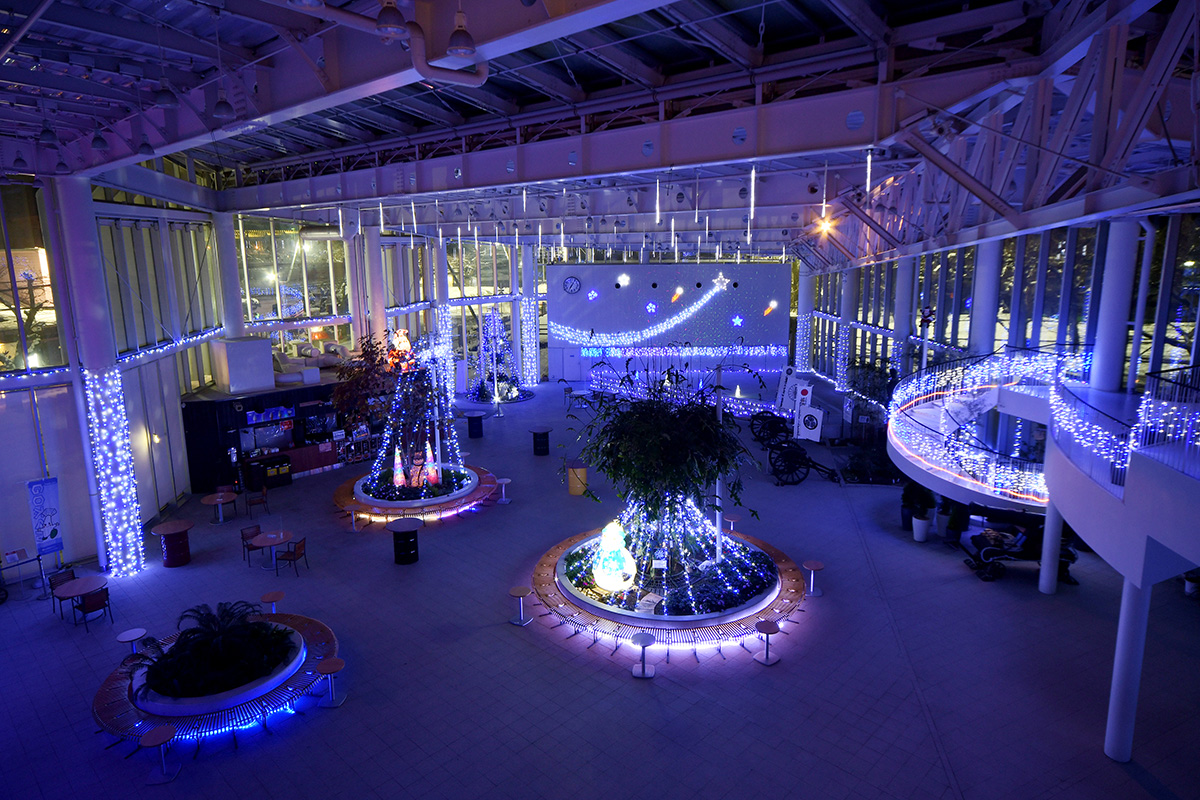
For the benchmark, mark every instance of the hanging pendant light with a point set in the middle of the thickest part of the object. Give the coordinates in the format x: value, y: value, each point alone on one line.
x: 99, y: 143
x: 61, y: 167
x: 222, y: 109
x: 19, y: 164
x: 164, y: 97
x: 390, y: 22
x: 461, y: 42
x: 145, y: 148
x: 47, y: 136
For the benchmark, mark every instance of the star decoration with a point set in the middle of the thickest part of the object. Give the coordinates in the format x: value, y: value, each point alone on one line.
x: 721, y: 282
x: 593, y: 294
x: 737, y: 322
x: 651, y: 308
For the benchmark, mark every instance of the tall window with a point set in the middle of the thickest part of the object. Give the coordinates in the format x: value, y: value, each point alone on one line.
x: 30, y: 332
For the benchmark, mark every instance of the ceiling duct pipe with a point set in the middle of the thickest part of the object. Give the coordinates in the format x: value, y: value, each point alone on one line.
x: 416, y: 47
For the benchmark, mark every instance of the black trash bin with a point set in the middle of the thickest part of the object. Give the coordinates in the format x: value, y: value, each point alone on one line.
x: 404, y: 543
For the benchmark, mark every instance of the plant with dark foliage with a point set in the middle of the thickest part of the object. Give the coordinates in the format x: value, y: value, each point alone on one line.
x: 223, y: 650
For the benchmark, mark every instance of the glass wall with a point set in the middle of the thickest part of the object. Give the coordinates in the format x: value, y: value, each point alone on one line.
x: 30, y: 329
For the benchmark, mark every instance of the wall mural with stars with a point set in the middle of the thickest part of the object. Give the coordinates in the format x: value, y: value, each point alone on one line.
x: 647, y: 305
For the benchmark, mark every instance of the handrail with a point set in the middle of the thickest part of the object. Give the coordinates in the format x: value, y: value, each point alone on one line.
x: 1168, y: 428
x: 1095, y: 441
x: 947, y: 449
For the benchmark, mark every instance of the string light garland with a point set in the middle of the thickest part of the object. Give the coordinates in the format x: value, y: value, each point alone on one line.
x: 531, y: 360
x: 494, y: 371
x: 166, y: 348
x: 116, y: 478
x: 581, y: 337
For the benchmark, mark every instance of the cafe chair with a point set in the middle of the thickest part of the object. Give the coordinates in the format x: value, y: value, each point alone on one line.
x: 90, y: 604
x: 247, y: 547
x: 253, y: 500
x: 294, y: 553
x: 57, y: 579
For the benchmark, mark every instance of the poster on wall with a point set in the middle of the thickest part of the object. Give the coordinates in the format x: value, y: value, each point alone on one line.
x: 44, y: 511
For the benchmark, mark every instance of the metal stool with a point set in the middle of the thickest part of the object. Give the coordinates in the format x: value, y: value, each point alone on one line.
x: 520, y: 592
x: 272, y: 598
x: 766, y: 627
x: 160, y: 737
x: 813, y: 568
x: 330, y: 667
x: 503, y: 497
x: 643, y: 640
x: 131, y: 638
x: 732, y: 518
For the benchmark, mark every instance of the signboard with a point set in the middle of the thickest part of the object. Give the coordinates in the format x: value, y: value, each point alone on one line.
x: 44, y: 511
x: 807, y: 424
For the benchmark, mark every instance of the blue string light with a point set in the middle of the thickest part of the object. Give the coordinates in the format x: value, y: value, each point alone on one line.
x: 116, y: 479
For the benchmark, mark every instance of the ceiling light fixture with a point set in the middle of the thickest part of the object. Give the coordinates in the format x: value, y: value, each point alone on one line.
x: 164, y: 97
x: 145, y: 148
x: 222, y: 109
x: 47, y: 136
x: 19, y: 163
x: 99, y: 143
x: 61, y: 167
x: 390, y: 22
x: 461, y: 42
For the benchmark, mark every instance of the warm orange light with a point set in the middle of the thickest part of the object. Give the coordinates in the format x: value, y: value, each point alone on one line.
x: 774, y: 304
x: 825, y: 225
x: 678, y: 294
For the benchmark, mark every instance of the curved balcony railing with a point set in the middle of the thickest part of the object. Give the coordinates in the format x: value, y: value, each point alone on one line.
x: 1168, y: 428
x: 1095, y: 441
x: 956, y: 392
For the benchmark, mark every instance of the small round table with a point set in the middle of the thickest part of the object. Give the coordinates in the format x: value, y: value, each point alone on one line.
x: 131, y: 637
x: 475, y: 423
x: 404, y: 539
x: 813, y: 568
x: 643, y: 640
x: 541, y: 441
x: 220, y: 500
x: 272, y: 598
x: 503, y: 482
x: 520, y: 592
x: 174, y: 535
x: 732, y: 519
x: 766, y: 627
x: 330, y: 667
x: 80, y: 586
x: 272, y: 540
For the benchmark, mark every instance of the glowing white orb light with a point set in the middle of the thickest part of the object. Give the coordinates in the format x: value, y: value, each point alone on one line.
x: 613, y: 567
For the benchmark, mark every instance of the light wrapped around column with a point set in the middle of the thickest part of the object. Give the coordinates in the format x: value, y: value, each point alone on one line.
x: 112, y: 458
x: 531, y: 362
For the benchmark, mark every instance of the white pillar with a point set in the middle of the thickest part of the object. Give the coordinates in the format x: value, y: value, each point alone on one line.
x: 1127, y: 670
x: 1051, y: 549
x: 848, y: 312
x: 806, y: 287
x: 376, y: 293
x: 1112, y: 322
x: 985, y: 297
x: 233, y: 314
x: 110, y: 462
x: 902, y: 309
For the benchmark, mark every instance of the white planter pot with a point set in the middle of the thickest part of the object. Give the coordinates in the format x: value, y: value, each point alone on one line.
x: 1190, y: 586
x: 920, y: 529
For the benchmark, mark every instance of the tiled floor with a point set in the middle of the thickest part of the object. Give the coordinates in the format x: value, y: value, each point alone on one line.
x: 909, y: 679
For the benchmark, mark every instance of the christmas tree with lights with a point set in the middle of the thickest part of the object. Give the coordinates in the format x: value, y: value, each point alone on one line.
x: 665, y: 451
x: 419, y: 457
x: 495, y: 375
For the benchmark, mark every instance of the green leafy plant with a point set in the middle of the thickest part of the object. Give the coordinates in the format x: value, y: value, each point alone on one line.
x: 665, y: 448
x: 222, y: 650
x: 918, y: 499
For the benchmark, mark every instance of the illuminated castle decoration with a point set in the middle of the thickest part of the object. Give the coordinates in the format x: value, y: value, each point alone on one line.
x: 613, y: 567
x: 494, y: 370
x: 419, y: 437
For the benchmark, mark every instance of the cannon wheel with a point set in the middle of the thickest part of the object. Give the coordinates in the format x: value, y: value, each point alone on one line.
x: 789, y: 463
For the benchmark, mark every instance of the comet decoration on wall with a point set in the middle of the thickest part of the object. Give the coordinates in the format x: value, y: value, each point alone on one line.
x: 626, y: 338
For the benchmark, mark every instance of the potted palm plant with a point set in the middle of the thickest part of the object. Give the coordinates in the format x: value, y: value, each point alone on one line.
x: 915, y: 504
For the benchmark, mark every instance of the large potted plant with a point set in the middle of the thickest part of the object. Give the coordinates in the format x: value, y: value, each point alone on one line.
x: 664, y: 449
x: 915, y: 504
x: 222, y: 650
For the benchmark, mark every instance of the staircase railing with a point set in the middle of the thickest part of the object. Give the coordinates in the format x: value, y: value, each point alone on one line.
x: 966, y: 458
x: 1168, y: 428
